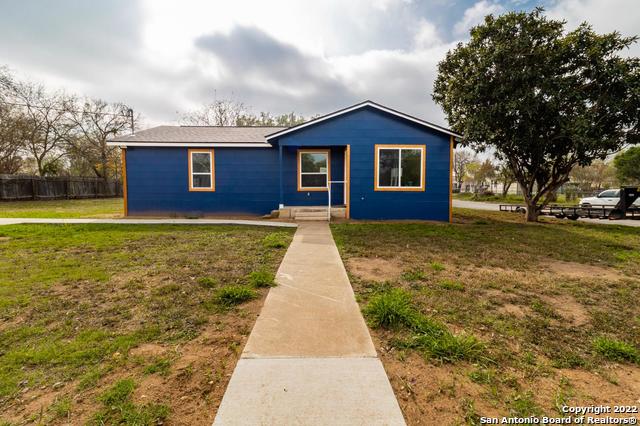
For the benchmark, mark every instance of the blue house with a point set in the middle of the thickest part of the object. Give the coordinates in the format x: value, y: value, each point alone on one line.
x: 367, y: 161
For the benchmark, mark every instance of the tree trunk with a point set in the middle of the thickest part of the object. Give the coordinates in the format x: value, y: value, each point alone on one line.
x: 532, y: 212
x: 505, y: 189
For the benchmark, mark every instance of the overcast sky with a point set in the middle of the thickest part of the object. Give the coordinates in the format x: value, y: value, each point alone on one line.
x: 311, y: 57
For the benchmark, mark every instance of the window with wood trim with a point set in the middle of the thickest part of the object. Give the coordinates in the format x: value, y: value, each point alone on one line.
x: 400, y: 167
x: 314, y: 169
x: 201, y: 170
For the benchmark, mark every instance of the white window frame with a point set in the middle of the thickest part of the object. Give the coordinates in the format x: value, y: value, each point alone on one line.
x: 400, y: 148
x: 327, y: 153
x: 211, y: 173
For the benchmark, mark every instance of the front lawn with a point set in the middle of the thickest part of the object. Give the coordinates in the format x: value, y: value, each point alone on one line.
x: 88, y: 208
x: 509, y: 199
x: 492, y: 316
x: 113, y: 324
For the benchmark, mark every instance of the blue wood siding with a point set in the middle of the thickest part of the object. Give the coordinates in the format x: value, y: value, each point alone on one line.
x: 247, y: 179
x: 363, y: 129
x: 158, y: 182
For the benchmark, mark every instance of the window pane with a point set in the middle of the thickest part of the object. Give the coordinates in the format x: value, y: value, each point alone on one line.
x: 201, y: 162
x: 314, y: 181
x: 313, y: 162
x: 388, y: 170
x: 411, y: 162
x: 202, y: 181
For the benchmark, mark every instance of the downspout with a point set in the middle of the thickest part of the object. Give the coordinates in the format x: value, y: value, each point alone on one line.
x: 281, y: 204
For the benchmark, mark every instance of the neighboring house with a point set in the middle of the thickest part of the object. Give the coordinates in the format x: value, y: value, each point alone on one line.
x: 378, y: 162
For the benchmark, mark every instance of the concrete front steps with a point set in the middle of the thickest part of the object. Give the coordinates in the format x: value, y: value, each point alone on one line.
x: 313, y: 213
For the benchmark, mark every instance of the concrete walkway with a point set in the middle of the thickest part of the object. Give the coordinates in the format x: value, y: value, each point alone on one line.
x: 309, y: 359
x: 479, y: 205
x: 15, y: 221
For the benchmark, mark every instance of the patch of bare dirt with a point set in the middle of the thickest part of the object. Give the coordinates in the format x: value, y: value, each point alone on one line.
x: 517, y: 311
x: 568, y: 308
x: 374, y: 268
x: 582, y: 271
x: 149, y: 350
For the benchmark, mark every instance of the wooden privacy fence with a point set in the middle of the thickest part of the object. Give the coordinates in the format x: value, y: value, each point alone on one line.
x: 26, y: 187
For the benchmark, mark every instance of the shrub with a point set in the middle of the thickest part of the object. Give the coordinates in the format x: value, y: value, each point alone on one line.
x: 616, y: 350
x: 207, y: 282
x: 390, y: 309
x: 233, y: 295
x: 262, y: 279
x: 275, y: 240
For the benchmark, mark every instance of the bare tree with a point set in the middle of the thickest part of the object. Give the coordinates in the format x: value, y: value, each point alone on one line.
x: 224, y: 112
x: 461, y: 161
x: 46, y: 123
x: 228, y: 112
x: 12, y: 128
x: 267, y: 119
x: 93, y: 122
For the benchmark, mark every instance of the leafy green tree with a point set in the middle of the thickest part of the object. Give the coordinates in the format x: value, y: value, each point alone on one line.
x: 544, y: 99
x: 627, y: 165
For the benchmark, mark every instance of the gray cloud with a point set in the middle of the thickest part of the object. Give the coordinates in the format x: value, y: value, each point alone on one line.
x: 271, y: 74
x: 71, y: 37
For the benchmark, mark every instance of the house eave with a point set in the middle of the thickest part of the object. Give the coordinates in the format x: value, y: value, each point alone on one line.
x: 189, y: 144
x: 359, y: 106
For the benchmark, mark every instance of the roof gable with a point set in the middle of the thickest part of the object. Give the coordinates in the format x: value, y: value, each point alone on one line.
x: 365, y: 104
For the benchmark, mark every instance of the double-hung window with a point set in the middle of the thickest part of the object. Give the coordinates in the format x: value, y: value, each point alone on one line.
x: 399, y: 167
x: 314, y: 169
x: 201, y: 170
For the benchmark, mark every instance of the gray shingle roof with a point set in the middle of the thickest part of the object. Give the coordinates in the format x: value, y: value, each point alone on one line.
x: 200, y: 134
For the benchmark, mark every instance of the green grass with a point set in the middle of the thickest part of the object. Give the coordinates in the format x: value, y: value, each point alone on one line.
x: 276, y: 240
x: 75, y: 300
x: 616, y: 350
x: 508, y: 199
x: 260, y: 279
x: 159, y: 366
x: 89, y: 208
x: 119, y: 408
x: 232, y: 295
x: 414, y: 274
x: 393, y: 309
x: 451, y: 285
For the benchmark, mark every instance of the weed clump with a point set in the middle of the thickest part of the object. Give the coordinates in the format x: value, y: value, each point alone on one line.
x: 393, y: 309
x: 616, y: 350
x: 207, y: 282
x: 275, y: 240
x: 262, y: 279
x: 120, y: 409
x: 232, y: 295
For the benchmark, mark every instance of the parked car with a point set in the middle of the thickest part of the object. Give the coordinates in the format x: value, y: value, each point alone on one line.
x: 610, y: 197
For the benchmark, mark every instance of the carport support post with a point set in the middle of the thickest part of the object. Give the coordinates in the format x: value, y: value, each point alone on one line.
x: 281, y: 205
